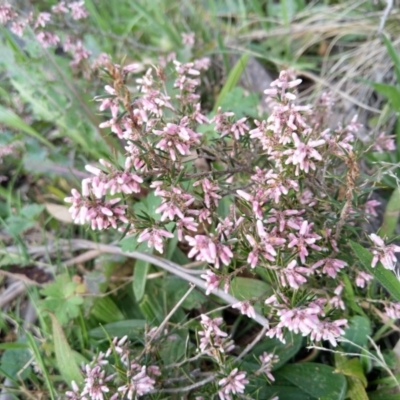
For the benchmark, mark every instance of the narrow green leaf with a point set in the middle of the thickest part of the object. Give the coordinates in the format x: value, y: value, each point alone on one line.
x: 350, y: 297
x: 318, y: 380
x: 41, y: 364
x: 13, y: 345
x: 139, y: 278
x: 131, y: 328
x: 12, y: 120
x: 385, y: 277
x: 232, y: 80
x: 393, y: 55
x: 64, y: 356
x: 391, y: 215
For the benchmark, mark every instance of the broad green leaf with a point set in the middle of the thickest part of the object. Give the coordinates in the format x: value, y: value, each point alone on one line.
x: 32, y: 211
x: 385, y: 277
x: 391, y: 215
x: 353, y: 368
x: 389, y: 91
x: 259, y: 390
x: 248, y: 288
x: 175, y: 289
x: 232, y: 80
x: 356, y: 389
x: 151, y: 309
x: 173, y: 349
x: 140, y: 272
x: 383, y: 395
x: 285, y: 351
x: 12, y: 120
x: 318, y: 380
x: 65, y: 359
x: 15, y: 363
x: 131, y: 328
x: 358, y: 331
x: 241, y: 103
x: 105, y: 310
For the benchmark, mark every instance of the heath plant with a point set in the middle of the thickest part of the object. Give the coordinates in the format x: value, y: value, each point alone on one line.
x: 280, y: 199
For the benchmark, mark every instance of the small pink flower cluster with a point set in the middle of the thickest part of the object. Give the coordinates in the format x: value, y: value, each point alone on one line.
x: 306, y: 320
x: 272, y: 176
x: 234, y: 383
x: 213, y: 340
x: 267, y: 362
x: 47, y: 27
x: 383, y: 253
x: 139, y: 379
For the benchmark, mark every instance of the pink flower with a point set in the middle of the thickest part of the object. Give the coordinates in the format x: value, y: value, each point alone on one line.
x: 370, y: 207
x: 363, y: 277
x: 209, y: 250
x: 59, y: 8
x: 384, y: 254
x: 47, y: 39
x: 176, y: 139
x: 245, y: 308
x: 155, y: 237
x: 392, y: 310
x: 95, y: 383
x: 279, y: 86
x: 304, y: 239
x: 291, y: 275
x: 138, y: 384
x: 267, y: 361
x: 303, y: 154
x: 239, y: 128
x: 222, y: 121
x: 234, y: 383
x: 186, y: 223
x: 7, y: 13
x: 384, y: 143
x: 78, y: 10
x: 212, y: 281
x: 42, y: 19
x: 210, y: 190
x: 281, y: 220
x: 188, y: 39
x: 331, y: 266
x: 336, y: 301
x: 327, y: 330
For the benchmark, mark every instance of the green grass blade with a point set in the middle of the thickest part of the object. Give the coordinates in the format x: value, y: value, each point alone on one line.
x: 40, y: 362
x: 12, y: 120
x: 139, y: 278
x: 393, y: 55
x: 385, y: 277
x: 232, y: 79
x: 391, y: 215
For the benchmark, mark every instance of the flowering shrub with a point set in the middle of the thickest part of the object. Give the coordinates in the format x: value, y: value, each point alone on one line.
x: 276, y: 198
